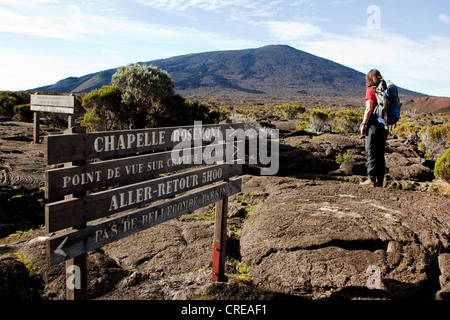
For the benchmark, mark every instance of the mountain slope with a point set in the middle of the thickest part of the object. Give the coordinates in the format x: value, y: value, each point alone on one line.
x: 273, y: 71
x: 427, y: 105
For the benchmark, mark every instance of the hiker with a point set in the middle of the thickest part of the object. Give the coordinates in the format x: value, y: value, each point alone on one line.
x: 375, y: 133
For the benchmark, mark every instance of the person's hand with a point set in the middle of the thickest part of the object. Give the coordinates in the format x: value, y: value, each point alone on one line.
x: 363, y: 129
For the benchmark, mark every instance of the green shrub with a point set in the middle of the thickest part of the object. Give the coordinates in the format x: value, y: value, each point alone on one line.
x: 9, y: 99
x: 442, y: 167
x: 342, y: 158
x: 23, y: 113
x: 317, y: 121
x: 175, y: 110
x: 435, y: 139
x: 347, y: 121
x: 105, y: 110
x: 91, y: 122
x: 288, y: 111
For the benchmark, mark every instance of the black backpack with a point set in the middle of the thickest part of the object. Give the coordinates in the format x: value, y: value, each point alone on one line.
x: 389, y: 105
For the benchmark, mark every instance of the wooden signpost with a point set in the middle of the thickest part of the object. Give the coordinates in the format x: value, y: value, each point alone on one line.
x: 111, y: 187
x: 46, y: 103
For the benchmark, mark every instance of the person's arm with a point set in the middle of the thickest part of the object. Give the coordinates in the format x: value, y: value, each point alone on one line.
x: 367, y: 114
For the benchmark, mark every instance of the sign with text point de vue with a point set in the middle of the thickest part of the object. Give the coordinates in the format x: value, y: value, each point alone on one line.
x: 58, y: 104
x: 69, y: 245
x: 75, y: 179
x: 103, y: 145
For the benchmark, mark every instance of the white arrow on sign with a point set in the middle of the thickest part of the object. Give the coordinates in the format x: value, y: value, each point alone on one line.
x: 59, y: 250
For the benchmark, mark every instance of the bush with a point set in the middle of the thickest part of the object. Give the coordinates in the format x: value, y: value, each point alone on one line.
x: 442, y: 167
x: 435, y: 139
x: 23, y: 113
x: 289, y: 112
x: 9, y: 100
x: 105, y: 110
x: 406, y: 130
x: 317, y: 121
x: 347, y: 121
x: 343, y: 158
x: 176, y: 111
x: 144, y: 88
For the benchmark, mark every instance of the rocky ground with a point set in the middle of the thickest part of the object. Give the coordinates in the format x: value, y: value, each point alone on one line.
x: 309, y: 233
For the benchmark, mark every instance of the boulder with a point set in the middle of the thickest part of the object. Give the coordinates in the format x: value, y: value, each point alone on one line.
x: 351, y: 167
x: 17, y: 282
x: 444, y: 278
x: 343, y: 141
x: 415, y: 172
x: 318, y: 240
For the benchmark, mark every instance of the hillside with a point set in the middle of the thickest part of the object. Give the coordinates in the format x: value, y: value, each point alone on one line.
x: 276, y: 71
x: 428, y: 105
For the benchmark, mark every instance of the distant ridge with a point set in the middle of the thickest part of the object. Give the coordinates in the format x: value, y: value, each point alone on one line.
x: 275, y: 71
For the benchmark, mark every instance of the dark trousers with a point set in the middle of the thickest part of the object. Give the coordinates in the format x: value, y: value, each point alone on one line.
x: 376, y: 138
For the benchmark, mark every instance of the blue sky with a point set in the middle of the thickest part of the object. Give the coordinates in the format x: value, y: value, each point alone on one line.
x: 43, y: 41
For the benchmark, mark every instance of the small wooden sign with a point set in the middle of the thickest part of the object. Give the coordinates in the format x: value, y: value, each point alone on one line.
x: 58, y: 104
x: 47, y: 103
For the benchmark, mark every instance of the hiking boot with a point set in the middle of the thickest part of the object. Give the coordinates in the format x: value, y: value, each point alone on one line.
x: 379, y: 183
x: 369, y: 183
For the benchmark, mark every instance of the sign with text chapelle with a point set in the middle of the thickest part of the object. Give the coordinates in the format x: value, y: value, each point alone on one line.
x: 123, y: 182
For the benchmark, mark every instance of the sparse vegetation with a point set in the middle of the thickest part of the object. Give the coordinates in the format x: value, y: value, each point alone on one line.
x: 317, y: 121
x: 347, y: 121
x: 442, y: 167
x: 342, y: 158
x: 241, y: 270
x: 435, y: 139
x: 23, y: 113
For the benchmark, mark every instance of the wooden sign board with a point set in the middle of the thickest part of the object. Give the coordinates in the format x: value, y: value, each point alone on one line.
x: 69, y: 245
x: 58, y: 104
x: 126, y: 193
x: 75, y: 179
x: 54, y: 104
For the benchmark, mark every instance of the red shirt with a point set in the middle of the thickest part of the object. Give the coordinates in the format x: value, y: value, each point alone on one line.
x: 370, y: 95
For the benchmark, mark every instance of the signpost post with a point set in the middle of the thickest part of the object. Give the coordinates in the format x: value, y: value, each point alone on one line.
x: 128, y: 165
x: 57, y: 104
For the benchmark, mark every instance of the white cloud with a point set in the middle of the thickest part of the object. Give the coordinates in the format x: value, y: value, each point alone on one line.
x: 48, y: 69
x: 421, y: 65
x: 26, y: 3
x: 444, y: 18
x: 13, y: 22
x: 208, y: 5
x: 75, y: 24
x: 234, y: 9
x: 288, y: 31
